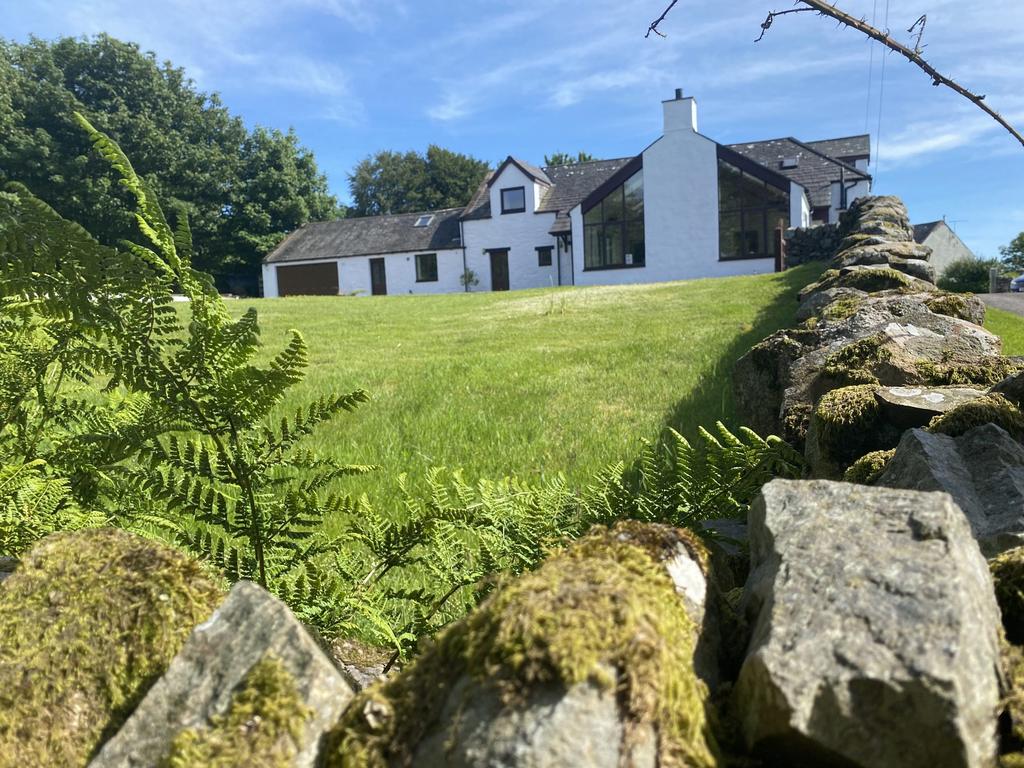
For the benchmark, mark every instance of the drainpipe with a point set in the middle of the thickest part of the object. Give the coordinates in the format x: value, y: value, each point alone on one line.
x: 465, y: 265
x: 560, y: 242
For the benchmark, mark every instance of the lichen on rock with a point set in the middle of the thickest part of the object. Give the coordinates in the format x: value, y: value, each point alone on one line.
x: 260, y: 729
x: 600, y: 612
x: 992, y: 408
x: 855, y: 363
x: 846, y: 424
x: 88, y: 621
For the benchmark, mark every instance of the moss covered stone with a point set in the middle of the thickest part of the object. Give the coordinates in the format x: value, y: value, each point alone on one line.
x: 842, y: 308
x: 260, y: 729
x: 989, y: 409
x: 868, y: 468
x: 952, y: 305
x: 603, y: 604
x: 983, y: 370
x: 88, y: 621
x: 856, y: 362
x: 847, y: 423
x: 1012, y: 721
x: 1008, y: 577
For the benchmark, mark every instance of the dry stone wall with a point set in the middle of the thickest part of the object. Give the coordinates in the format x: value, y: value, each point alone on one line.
x: 870, y: 631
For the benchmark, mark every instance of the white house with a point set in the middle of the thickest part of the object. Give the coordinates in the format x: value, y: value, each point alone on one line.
x: 946, y: 245
x: 685, y: 207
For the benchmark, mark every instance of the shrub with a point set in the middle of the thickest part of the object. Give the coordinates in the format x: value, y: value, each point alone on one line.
x: 967, y: 275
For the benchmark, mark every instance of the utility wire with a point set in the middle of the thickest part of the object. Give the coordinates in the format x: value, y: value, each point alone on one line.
x: 881, y: 99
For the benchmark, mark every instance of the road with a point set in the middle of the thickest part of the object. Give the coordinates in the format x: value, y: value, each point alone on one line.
x: 1011, y: 302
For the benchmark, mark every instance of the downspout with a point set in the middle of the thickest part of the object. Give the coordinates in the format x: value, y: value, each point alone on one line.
x: 560, y: 242
x: 465, y: 265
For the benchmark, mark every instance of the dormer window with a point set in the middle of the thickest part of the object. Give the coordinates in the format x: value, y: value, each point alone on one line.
x: 790, y: 162
x: 513, y: 200
x: 424, y: 221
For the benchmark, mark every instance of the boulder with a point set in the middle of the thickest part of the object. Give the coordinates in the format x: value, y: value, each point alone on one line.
x: 1012, y: 388
x: 964, y: 306
x: 877, y: 250
x: 868, y: 278
x: 251, y: 657
x: 918, y: 268
x: 818, y: 301
x: 87, y: 622
x: 983, y: 470
x: 907, y: 407
x: 590, y: 660
x: 875, y: 631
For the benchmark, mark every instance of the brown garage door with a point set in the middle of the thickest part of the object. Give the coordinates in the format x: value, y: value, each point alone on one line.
x: 308, y: 280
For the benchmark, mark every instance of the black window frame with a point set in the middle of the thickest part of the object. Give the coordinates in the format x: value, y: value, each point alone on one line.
x: 623, y: 220
x: 505, y: 210
x: 759, y: 216
x: 545, y: 255
x: 420, y: 256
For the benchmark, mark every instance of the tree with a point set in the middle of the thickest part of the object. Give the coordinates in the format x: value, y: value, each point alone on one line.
x: 242, y: 190
x: 1013, y: 254
x: 564, y: 158
x: 406, y: 182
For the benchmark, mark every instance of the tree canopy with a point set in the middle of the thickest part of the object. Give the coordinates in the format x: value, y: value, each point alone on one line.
x: 406, y: 182
x: 243, y: 190
x: 1013, y: 254
x: 564, y: 158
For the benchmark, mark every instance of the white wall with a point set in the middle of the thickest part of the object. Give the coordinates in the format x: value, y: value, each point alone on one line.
x: 521, y: 233
x: 946, y: 247
x: 799, y: 206
x: 860, y: 189
x: 399, y: 268
x: 680, y: 211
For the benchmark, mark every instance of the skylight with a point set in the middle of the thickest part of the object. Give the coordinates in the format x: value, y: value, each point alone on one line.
x: 424, y: 221
x: 790, y: 162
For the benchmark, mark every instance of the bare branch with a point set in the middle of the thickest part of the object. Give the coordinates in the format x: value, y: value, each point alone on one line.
x: 913, y: 56
x: 922, y: 22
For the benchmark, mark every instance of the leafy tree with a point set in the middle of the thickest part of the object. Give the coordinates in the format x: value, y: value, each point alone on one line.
x: 406, y: 182
x: 1013, y: 254
x: 563, y: 158
x: 242, y: 190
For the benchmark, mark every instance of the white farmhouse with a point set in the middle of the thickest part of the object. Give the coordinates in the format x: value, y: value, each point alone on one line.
x: 685, y: 207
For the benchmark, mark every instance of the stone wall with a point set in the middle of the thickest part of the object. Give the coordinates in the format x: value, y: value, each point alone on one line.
x: 871, y: 630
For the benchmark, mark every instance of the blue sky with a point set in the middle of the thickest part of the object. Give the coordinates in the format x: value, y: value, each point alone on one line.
x: 529, y: 77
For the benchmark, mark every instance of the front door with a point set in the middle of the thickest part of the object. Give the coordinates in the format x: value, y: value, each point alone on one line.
x: 499, y: 270
x: 378, y: 278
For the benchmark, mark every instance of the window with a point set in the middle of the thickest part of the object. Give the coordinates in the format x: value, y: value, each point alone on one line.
x: 426, y: 268
x: 749, y: 212
x: 613, y: 230
x: 424, y: 221
x: 513, y: 200
x: 544, y: 255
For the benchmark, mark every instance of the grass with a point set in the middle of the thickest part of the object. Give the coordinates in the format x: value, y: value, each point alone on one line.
x: 531, y: 383
x: 1009, y: 327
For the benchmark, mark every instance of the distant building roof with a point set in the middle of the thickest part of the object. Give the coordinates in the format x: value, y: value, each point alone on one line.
x: 815, y: 170
x: 922, y: 231
x: 567, y: 185
x: 849, y: 148
x: 370, y: 235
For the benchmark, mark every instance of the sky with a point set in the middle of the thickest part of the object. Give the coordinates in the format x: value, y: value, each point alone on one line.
x: 530, y: 77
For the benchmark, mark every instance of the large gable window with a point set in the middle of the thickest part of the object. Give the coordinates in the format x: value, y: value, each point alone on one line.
x: 426, y: 268
x: 613, y: 229
x: 513, y: 200
x: 749, y: 212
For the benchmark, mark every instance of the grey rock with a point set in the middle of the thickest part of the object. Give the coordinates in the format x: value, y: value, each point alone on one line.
x: 880, y: 251
x: 361, y: 664
x: 250, y: 626
x: 983, y: 470
x: 876, y: 633
x: 813, y: 305
x: 553, y: 728
x: 908, y: 407
x: 1012, y: 388
x: 915, y: 267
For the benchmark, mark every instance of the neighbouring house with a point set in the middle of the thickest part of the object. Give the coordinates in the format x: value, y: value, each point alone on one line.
x: 685, y: 207
x: 946, y: 246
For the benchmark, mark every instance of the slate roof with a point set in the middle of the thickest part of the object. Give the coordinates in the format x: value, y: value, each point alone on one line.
x: 568, y: 185
x: 922, y: 231
x: 815, y: 170
x: 370, y: 235
x: 848, y: 148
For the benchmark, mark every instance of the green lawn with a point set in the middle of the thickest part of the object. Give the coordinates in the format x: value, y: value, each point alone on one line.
x: 531, y: 383
x: 1009, y: 327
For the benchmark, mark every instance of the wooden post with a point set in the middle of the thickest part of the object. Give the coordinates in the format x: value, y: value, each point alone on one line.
x: 780, y: 250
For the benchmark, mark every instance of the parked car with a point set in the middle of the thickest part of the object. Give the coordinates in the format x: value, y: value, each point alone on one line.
x: 1017, y: 284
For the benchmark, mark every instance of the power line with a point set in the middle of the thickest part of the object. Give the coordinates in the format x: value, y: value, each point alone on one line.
x: 881, y: 98
x: 871, y: 68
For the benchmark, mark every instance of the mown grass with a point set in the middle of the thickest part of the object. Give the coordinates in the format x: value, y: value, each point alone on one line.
x: 1009, y: 327
x: 531, y: 383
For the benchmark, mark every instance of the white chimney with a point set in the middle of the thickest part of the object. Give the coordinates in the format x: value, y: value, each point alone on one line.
x: 680, y: 113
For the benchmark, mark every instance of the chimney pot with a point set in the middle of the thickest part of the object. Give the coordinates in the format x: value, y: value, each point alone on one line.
x: 679, y: 94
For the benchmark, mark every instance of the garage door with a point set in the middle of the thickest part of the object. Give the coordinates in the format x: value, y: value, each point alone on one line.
x: 308, y: 280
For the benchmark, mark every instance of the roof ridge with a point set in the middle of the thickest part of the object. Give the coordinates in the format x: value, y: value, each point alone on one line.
x: 841, y: 138
x: 587, y: 162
